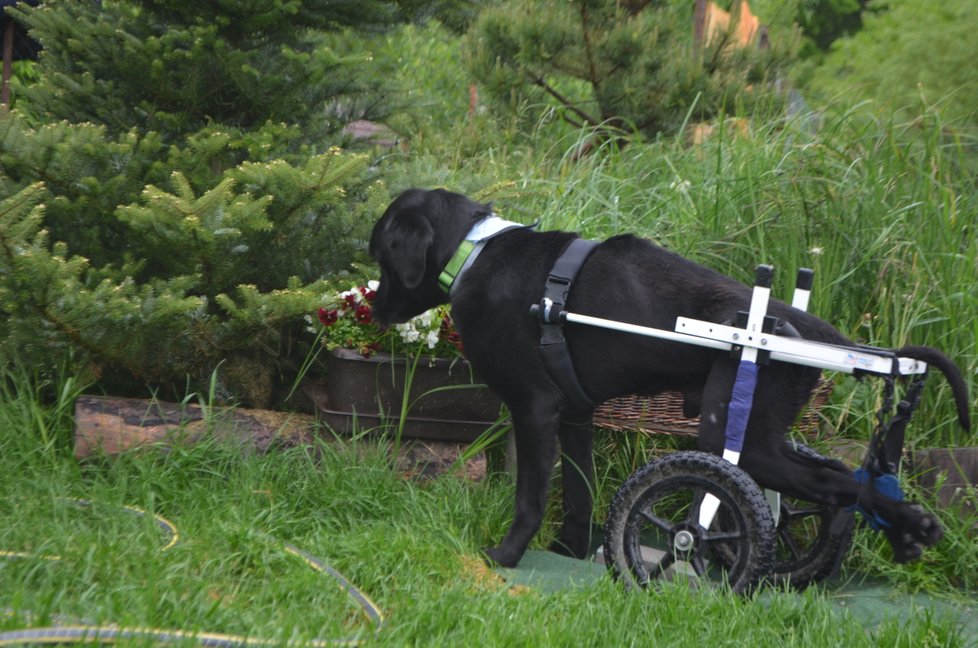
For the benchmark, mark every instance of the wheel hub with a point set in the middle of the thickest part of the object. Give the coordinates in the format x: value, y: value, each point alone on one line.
x: 684, y: 541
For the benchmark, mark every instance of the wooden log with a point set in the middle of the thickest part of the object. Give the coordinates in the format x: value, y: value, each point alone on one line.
x: 108, y: 425
x: 111, y: 425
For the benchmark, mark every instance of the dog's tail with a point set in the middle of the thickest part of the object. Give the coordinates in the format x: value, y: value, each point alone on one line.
x: 951, y: 372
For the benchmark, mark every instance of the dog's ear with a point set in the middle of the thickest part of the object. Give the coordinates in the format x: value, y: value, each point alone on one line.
x: 408, y: 244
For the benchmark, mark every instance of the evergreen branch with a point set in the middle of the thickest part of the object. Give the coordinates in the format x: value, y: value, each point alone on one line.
x: 720, y: 48
x: 589, y: 53
x: 570, y: 120
x: 564, y: 101
x: 73, y: 334
x: 20, y: 202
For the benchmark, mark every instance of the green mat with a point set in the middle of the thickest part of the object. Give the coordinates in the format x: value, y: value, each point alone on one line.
x: 869, y: 601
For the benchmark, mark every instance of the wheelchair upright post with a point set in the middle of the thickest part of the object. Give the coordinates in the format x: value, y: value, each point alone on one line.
x: 799, y: 300
x: 803, y: 289
x: 742, y: 396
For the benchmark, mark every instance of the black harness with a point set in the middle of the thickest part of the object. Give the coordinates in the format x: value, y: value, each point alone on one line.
x: 550, y: 310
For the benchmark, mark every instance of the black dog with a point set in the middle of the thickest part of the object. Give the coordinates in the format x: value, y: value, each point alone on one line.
x: 631, y: 280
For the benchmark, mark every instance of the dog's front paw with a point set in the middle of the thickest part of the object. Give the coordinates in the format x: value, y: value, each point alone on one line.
x: 499, y: 557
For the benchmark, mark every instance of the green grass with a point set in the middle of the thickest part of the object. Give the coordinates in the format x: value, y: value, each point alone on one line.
x: 411, y: 546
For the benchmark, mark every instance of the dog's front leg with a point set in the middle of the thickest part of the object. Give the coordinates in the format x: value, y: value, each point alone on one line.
x: 536, y: 445
x: 577, y: 468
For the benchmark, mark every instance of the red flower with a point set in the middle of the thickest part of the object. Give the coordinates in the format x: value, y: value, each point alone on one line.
x: 368, y: 294
x: 328, y: 317
x: 449, y: 334
x: 369, y: 349
x: 363, y: 314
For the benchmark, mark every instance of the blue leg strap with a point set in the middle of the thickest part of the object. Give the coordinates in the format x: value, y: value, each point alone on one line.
x: 885, y: 485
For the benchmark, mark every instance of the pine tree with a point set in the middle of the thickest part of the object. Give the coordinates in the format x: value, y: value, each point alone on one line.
x: 630, y: 67
x: 223, y: 277
x: 173, y: 201
x: 172, y: 66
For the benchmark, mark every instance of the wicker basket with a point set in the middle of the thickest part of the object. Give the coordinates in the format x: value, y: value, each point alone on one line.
x: 663, y: 413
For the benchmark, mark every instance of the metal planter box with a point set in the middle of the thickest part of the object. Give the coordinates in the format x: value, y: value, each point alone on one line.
x: 366, y: 394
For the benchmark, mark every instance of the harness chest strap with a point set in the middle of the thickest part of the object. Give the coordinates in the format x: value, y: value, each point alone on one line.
x: 553, y: 345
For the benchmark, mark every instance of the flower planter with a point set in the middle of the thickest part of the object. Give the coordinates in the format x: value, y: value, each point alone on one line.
x: 365, y: 394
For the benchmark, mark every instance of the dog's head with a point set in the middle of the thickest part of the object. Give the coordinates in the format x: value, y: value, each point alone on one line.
x: 414, y: 239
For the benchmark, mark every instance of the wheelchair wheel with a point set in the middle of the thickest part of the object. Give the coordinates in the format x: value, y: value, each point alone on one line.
x: 653, y: 531
x: 808, y: 549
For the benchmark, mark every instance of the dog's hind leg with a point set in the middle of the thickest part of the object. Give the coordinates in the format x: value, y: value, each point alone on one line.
x: 577, y: 469
x: 908, y: 527
x: 535, y: 430
x: 777, y: 465
x: 713, y: 405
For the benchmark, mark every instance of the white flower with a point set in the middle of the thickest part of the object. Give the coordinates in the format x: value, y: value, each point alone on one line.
x: 432, y: 339
x: 816, y: 251
x: 354, y: 292
x: 373, y: 285
x: 407, y: 332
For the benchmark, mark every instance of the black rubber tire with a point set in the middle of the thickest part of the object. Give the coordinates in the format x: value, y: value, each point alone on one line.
x: 806, y: 549
x: 660, y: 503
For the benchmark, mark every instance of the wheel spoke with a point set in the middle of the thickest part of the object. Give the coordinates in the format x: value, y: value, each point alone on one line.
x: 796, y: 514
x: 659, y: 568
x: 722, y: 536
x: 790, y: 542
x: 658, y: 522
x: 694, y: 509
x: 699, y: 565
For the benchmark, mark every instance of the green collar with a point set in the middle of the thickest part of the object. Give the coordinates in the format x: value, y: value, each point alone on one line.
x: 454, y: 266
x: 470, y: 248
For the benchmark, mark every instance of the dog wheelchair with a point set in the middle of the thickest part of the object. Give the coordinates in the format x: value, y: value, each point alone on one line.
x: 698, y: 516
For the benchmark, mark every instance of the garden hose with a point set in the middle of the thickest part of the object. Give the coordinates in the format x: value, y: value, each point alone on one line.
x: 75, y: 633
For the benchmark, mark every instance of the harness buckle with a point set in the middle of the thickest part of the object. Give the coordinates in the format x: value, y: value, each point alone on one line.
x: 551, y: 312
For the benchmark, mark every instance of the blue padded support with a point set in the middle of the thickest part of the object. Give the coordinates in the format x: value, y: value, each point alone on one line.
x: 741, y: 401
x: 887, y: 485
